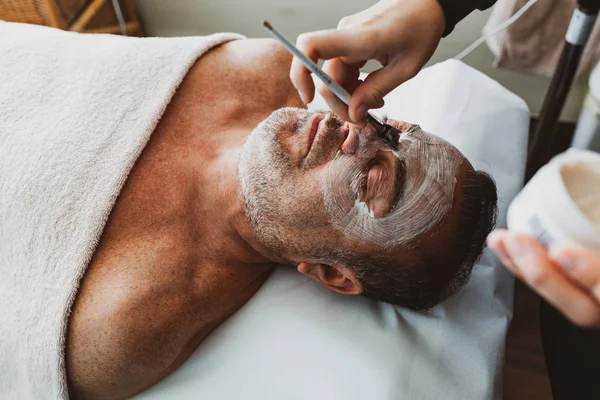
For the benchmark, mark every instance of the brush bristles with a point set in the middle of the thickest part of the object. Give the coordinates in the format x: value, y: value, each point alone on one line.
x: 391, y: 137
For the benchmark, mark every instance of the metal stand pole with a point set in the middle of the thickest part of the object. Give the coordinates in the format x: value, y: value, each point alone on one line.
x: 577, y: 35
x: 120, y: 18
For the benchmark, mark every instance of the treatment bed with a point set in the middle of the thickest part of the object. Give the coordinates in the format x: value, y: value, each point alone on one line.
x: 296, y: 340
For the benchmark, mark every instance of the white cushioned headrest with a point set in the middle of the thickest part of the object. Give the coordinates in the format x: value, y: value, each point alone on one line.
x: 297, y: 340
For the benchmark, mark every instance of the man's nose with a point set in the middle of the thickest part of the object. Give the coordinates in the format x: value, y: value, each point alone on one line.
x: 350, y: 144
x: 356, y: 137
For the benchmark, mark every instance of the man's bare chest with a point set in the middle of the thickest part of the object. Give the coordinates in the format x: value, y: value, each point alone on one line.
x: 152, y: 291
x: 143, y: 308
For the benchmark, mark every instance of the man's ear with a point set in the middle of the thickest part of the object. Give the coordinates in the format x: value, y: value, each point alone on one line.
x: 338, y: 277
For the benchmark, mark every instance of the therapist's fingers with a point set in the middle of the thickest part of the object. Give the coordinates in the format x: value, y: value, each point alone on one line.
x: 580, y: 264
x: 302, y: 81
x: 495, y: 241
x: 530, y: 259
x: 325, y: 45
x: 347, y: 76
x: 378, y: 84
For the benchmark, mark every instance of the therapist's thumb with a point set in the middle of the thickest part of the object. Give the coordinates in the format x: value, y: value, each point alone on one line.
x: 376, y: 86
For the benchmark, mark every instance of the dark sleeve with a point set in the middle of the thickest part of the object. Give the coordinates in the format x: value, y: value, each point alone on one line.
x: 456, y: 10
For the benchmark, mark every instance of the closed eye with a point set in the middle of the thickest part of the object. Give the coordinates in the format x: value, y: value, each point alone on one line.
x: 364, y: 178
x: 381, y: 191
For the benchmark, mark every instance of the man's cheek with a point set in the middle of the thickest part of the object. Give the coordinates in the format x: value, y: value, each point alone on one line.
x: 288, y: 151
x: 304, y: 199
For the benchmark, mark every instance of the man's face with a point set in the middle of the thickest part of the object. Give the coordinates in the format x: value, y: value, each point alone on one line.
x: 316, y: 188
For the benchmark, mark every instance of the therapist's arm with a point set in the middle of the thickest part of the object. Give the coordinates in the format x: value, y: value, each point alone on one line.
x: 456, y: 10
x: 400, y: 34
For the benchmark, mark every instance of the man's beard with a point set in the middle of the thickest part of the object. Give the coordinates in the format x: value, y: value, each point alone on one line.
x: 263, y: 165
x: 283, y: 205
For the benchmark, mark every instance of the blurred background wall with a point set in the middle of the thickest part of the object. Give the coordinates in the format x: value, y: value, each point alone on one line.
x: 292, y: 17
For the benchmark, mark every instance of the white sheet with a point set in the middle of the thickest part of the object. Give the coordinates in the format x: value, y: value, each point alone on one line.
x: 297, y: 340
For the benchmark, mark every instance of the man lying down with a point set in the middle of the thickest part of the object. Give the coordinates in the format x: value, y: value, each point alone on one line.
x: 234, y: 181
x: 239, y: 177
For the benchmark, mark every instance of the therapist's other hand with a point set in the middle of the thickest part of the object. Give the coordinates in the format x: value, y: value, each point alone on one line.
x: 566, y: 275
x: 400, y: 34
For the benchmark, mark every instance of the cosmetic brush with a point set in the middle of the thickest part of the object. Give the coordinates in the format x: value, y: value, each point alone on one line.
x: 389, y: 135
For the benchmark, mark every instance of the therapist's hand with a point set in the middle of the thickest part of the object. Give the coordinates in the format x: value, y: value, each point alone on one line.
x: 400, y: 34
x: 567, y: 276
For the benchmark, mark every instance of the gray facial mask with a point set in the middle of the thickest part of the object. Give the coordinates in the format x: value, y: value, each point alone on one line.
x: 425, y: 199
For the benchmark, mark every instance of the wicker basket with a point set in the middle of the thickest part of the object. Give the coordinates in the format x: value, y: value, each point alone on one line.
x: 92, y: 16
x: 55, y: 13
x: 28, y: 11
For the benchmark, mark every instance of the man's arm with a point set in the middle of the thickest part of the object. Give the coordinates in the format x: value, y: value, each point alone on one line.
x: 456, y: 10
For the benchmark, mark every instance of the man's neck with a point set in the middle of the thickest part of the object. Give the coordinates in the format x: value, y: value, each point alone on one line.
x: 222, y: 210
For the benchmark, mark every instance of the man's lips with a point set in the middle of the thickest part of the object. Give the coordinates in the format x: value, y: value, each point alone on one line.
x: 318, y: 127
x: 315, y: 124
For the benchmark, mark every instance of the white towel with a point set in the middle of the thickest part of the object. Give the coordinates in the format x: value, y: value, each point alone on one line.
x: 75, y: 113
x: 534, y: 43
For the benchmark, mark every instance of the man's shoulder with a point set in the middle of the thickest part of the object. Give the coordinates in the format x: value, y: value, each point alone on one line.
x: 260, y: 55
x: 254, y: 67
